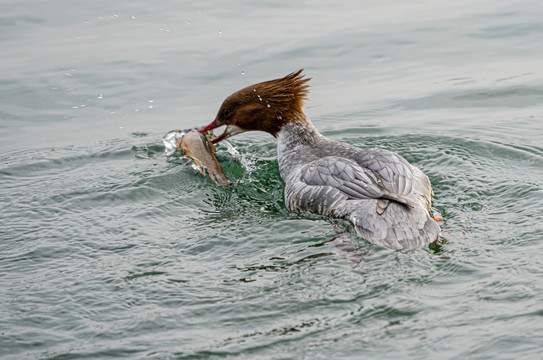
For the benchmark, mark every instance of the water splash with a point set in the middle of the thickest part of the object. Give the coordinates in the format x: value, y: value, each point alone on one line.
x: 246, y: 161
x: 199, y: 168
x: 171, y: 141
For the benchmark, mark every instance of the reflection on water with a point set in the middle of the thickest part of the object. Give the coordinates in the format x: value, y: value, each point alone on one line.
x: 110, y: 249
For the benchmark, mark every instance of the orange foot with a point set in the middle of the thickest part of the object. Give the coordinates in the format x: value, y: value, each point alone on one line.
x: 438, y: 218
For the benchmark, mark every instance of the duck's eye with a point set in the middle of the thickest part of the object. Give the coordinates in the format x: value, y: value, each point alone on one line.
x: 225, y: 113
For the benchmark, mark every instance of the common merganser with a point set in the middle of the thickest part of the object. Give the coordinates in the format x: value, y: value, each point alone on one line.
x: 386, y: 199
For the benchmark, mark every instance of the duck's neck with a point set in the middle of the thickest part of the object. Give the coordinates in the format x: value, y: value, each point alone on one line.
x: 296, y: 144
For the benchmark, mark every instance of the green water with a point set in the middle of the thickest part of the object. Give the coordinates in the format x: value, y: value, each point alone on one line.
x: 111, y: 250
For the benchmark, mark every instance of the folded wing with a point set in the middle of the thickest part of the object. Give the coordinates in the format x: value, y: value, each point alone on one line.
x: 353, y: 180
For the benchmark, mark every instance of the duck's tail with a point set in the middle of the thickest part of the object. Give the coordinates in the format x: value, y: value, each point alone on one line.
x: 398, y: 227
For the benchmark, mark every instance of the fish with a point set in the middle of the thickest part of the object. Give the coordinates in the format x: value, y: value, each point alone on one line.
x: 197, y: 147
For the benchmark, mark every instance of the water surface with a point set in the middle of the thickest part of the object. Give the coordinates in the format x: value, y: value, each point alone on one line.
x: 111, y: 250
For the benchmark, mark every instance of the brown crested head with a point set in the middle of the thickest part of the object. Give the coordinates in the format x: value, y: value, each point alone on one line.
x: 265, y: 106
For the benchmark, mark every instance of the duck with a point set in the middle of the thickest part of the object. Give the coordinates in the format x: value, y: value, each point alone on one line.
x: 385, y: 198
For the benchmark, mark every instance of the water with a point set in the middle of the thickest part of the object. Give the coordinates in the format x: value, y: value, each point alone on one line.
x: 111, y: 250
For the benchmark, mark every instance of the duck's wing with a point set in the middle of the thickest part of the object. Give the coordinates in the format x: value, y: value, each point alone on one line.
x: 349, y: 178
x: 395, y: 172
x: 329, y: 179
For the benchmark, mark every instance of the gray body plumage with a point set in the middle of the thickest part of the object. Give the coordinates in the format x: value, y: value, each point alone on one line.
x: 385, y: 198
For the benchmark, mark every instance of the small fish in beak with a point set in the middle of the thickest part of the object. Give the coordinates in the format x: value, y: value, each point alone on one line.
x: 197, y: 147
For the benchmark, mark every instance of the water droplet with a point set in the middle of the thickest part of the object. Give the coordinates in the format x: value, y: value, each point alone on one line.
x: 279, y: 118
x: 242, y: 72
x: 220, y: 32
x: 133, y: 17
x: 100, y: 96
x: 254, y: 90
x: 187, y: 22
x: 150, y: 106
x: 151, y: 101
x: 269, y: 106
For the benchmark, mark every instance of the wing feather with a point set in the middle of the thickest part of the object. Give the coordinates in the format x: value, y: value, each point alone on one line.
x: 394, y: 170
x: 349, y: 177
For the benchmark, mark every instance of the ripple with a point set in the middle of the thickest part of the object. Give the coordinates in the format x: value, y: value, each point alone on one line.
x: 111, y: 250
x: 510, y: 97
x: 510, y: 30
x: 134, y: 233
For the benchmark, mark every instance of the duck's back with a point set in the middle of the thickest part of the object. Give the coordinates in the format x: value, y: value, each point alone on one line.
x: 387, y: 199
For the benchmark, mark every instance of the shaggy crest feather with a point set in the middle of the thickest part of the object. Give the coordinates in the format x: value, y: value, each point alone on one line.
x: 287, y: 93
